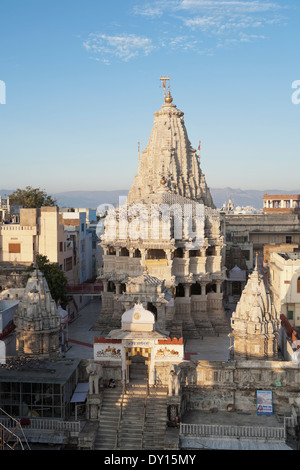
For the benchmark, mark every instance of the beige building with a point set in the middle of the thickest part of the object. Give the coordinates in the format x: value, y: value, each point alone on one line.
x: 63, y: 238
x: 284, y: 279
x: 39, y: 231
x: 281, y: 204
x: 252, y: 232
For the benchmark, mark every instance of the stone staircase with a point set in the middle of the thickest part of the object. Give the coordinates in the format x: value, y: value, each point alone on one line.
x: 156, y: 419
x: 106, y: 436
x: 133, y: 413
x: 143, y: 422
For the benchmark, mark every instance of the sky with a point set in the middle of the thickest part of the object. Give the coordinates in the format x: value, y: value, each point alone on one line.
x: 80, y: 82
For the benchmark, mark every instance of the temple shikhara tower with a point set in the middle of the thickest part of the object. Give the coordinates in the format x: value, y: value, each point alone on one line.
x: 37, y: 320
x: 163, y: 247
x: 255, y: 323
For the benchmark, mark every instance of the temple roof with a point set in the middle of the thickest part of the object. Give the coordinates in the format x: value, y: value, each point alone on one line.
x: 255, y: 311
x: 169, y: 164
x: 138, y: 319
x: 37, y: 305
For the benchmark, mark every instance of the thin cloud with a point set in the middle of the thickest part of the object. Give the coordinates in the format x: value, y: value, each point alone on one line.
x: 229, y: 7
x: 202, y: 26
x: 217, y: 17
x: 123, y: 47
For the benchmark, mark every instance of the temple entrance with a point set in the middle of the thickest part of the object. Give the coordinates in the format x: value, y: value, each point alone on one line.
x: 138, y: 368
x: 152, y: 309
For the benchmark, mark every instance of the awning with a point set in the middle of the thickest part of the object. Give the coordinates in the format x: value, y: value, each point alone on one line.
x: 81, y: 391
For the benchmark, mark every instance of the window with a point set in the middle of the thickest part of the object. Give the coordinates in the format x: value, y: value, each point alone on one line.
x: 14, y: 248
x: 288, y: 239
x: 60, y: 246
x: 298, y: 285
x: 68, y: 264
x: 290, y: 315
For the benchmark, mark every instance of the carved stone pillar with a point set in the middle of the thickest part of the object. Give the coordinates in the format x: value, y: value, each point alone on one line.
x: 169, y: 257
x: 219, y: 283
x: 203, y: 288
x: 105, y: 285
x: 187, y: 290
x: 118, y: 288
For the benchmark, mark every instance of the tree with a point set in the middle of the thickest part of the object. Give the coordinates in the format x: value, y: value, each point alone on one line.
x: 31, y: 198
x: 56, y: 279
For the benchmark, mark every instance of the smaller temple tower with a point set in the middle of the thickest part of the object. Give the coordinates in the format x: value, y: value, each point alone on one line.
x: 37, y: 320
x: 255, y: 323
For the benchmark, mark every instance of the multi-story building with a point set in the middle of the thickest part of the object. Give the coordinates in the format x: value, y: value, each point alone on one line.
x: 9, y: 212
x: 251, y: 232
x: 39, y: 231
x: 63, y: 238
x: 281, y: 204
x: 79, y: 266
x: 284, y: 280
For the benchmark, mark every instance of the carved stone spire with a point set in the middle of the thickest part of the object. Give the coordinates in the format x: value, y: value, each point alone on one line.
x: 255, y: 323
x: 37, y: 319
x: 169, y: 163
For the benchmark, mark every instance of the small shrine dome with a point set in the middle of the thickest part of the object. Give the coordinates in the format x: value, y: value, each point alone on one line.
x: 138, y: 319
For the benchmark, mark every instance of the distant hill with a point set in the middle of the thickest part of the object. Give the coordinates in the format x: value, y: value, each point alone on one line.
x: 89, y: 198
x: 92, y: 199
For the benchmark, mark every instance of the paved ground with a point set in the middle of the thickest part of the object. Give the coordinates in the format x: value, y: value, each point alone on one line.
x: 81, y: 339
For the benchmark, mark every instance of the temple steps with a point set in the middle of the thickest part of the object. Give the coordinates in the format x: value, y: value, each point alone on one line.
x: 132, y: 422
x: 156, y: 420
x: 109, y: 419
x: 143, y: 422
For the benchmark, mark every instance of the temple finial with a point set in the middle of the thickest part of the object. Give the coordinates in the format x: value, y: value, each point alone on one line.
x: 164, y: 79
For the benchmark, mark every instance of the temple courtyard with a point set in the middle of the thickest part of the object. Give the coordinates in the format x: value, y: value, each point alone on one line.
x: 210, y: 348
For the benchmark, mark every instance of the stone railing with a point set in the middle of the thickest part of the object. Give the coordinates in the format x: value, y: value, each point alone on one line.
x: 216, y: 430
x: 34, y: 424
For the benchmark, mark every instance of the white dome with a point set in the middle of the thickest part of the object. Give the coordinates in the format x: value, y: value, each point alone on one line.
x: 138, y: 319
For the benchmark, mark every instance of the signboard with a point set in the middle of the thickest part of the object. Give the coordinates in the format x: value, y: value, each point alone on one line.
x: 264, y: 402
x: 106, y: 351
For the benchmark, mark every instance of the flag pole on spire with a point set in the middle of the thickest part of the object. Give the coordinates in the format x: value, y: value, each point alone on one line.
x: 199, y: 147
x: 164, y: 79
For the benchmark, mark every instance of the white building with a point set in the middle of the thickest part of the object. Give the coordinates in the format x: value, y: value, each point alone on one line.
x: 285, y: 285
x: 80, y: 266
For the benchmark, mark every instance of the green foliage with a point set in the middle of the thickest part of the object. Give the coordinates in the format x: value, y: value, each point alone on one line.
x: 56, y: 279
x: 31, y: 198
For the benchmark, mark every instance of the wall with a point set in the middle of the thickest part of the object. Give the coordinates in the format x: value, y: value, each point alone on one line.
x: 216, y: 384
x: 264, y: 229
x: 24, y: 236
x: 283, y: 282
x: 7, y: 310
